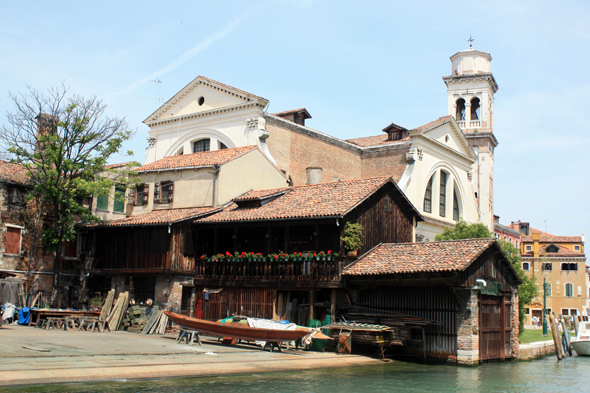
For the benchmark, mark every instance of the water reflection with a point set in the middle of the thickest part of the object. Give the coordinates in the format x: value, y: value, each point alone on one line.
x: 546, y: 375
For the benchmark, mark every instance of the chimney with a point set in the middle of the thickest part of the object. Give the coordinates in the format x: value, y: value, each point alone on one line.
x: 297, y: 116
x: 46, y: 124
x: 314, y: 175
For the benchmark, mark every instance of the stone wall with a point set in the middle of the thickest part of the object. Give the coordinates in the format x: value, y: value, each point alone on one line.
x: 515, y: 322
x: 467, y: 322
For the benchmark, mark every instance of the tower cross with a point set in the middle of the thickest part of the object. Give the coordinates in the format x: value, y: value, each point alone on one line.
x: 470, y: 40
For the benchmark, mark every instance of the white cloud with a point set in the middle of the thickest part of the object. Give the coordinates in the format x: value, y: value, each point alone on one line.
x: 186, y: 56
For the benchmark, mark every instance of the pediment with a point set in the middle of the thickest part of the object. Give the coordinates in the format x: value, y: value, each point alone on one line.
x: 447, y: 132
x: 202, y: 95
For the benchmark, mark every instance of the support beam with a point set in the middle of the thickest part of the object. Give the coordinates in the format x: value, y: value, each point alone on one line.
x: 333, y: 307
x: 311, y: 301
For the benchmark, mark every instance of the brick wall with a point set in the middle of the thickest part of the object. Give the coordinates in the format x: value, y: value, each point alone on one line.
x: 294, y: 148
x: 385, y: 162
x: 467, y: 321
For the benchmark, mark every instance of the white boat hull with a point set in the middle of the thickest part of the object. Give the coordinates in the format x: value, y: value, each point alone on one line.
x: 581, y: 347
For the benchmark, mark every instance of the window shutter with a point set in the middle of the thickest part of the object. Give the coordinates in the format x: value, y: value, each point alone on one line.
x: 171, y: 192
x: 131, y: 197
x: 157, y: 193
x: 146, y: 193
x: 13, y: 240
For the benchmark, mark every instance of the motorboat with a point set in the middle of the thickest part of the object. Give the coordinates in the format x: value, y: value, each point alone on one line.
x: 581, y: 344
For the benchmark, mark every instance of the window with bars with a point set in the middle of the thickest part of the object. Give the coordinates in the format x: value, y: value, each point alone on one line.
x: 202, y: 145
x: 428, y: 196
x: 547, y: 266
x: 443, y: 194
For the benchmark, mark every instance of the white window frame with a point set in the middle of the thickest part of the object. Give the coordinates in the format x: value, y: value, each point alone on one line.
x: 577, y: 248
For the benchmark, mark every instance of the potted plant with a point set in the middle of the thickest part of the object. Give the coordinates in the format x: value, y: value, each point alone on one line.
x: 353, y: 233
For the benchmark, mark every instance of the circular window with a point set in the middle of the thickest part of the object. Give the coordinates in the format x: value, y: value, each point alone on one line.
x: 201, y: 100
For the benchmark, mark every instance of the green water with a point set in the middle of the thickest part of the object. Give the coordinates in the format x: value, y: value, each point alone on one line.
x: 546, y: 375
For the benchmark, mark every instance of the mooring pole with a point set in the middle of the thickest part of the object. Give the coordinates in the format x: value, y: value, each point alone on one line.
x: 544, y: 306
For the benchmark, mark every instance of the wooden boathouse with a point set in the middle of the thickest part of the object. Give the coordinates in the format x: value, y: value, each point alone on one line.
x: 468, y: 286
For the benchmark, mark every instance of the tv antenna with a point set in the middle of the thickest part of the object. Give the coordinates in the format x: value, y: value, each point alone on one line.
x: 159, y: 83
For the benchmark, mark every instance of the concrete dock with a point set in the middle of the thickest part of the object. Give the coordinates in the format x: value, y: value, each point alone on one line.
x: 35, y: 356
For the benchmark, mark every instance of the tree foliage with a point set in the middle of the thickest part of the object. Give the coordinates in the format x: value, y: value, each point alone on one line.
x: 527, y: 290
x: 464, y: 230
x: 64, y: 141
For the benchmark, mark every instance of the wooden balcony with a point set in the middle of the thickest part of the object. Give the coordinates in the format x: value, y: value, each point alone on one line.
x: 283, y: 273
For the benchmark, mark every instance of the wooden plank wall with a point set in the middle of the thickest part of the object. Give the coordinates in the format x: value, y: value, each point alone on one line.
x: 381, y: 226
x: 252, y: 302
x: 436, y: 303
x: 133, y: 250
x: 488, y: 266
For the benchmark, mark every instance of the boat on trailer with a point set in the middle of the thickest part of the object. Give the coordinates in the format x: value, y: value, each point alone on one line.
x: 240, y: 331
x: 581, y: 344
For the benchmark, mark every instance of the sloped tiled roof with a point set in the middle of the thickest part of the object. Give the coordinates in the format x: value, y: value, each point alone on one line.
x: 261, y: 194
x: 382, y: 139
x: 156, y: 217
x: 118, y: 165
x: 375, y: 140
x: 545, y: 237
x: 310, y: 201
x: 194, y: 160
x: 13, y: 173
x: 562, y: 252
x: 394, y: 258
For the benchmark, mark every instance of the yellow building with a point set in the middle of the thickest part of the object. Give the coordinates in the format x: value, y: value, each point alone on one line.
x: 561, y: 261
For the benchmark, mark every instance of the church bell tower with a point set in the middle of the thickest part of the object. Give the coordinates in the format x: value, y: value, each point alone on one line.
x: 470, y: 91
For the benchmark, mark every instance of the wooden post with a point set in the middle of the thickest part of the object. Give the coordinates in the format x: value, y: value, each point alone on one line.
x: 333, y: 307
x: 311, y: 300
x: 555, y: 335
x: 566, y: 338
x: 576, y: 323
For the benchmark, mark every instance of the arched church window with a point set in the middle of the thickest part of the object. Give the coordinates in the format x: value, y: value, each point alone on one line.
x: 475, y: 109
x: 428, y: 196
x: 455, y: 206
x: 443, y: 194
x: 222, y: 146
x: 460, y: 115
x: 202, y: 145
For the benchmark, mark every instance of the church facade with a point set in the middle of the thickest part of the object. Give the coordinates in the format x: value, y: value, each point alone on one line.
x: 445, y: 167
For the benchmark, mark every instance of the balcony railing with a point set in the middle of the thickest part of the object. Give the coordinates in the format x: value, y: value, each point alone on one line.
x: 328, y: 269
x: 463, y: 124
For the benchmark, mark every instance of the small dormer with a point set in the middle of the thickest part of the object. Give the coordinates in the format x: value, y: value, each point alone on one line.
x: 395, y: 132
x: 523, y: 227
x: 552, y: 248
x: 297, y: 116
x: 254, y: 199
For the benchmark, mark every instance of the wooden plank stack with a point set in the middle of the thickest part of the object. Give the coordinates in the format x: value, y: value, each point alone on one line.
x: 157, y: 323
x: 108, y: 305
x: 115, y: 318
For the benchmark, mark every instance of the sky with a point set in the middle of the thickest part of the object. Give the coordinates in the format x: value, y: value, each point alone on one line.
x: 356, y: 66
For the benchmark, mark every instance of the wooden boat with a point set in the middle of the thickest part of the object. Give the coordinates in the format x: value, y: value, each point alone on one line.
x: 241, y: 331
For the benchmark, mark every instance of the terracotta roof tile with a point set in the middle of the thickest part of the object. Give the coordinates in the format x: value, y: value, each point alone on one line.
x: 261, y: 194
x: 156, y: 217
x: 291, y: 111
x: 13, y: 173
x: 118, y: 165
x: 375, y: 140
x: 194, y: 160
x: 561, y: 252
x: 316, y: 200
x: 393, y: 258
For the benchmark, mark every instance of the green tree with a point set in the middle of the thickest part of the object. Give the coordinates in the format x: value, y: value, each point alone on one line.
x: 527, y: 290
x: 464, y: 230
x: 64, y: 141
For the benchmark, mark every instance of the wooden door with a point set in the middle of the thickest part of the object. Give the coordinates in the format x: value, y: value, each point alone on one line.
x: 494, y: 328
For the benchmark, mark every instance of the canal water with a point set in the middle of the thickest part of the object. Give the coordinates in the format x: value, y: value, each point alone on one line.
x: 546, y: 375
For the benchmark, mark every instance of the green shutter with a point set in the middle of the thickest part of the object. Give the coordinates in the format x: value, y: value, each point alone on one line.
x: 119, y: 200
x: 102, y: 202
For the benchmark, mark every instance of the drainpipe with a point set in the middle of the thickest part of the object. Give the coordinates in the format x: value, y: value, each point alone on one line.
x: 215, y: 177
